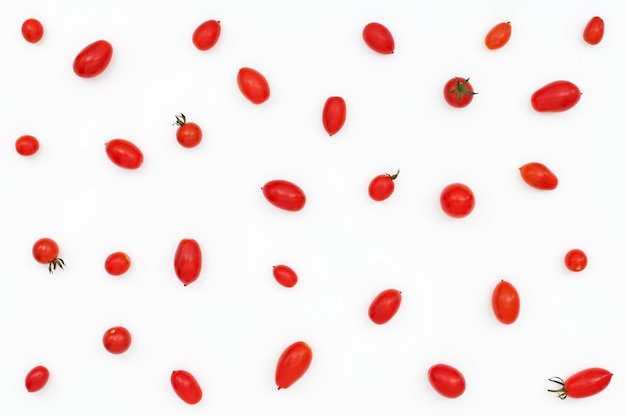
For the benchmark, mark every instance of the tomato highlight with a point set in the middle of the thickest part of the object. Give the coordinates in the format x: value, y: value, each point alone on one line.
x: 116, y: 340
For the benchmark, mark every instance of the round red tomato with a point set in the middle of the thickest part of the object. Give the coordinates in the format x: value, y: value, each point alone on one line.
x: 537, y: 175
x: 446, y: 380
x: 206, y: 35
x: 384, y: 306
x: 186, y: 387
x: 458, y: 92
x: 116, y: 340
x: 378, y: 38
x: 284, y: 194
x: 93, y: 59
x: 583, y: 383
x: 594, y: 31
x: 117, y: 263
x: 188, y: 134
x: 576, y: 260
x: 285, y: 276
x: 505, y: 302
x: 334, y: 114
x: 37, y: 378
x: 498, y: 36
x: 188, y: 261
x: 32, y: 30
x: 556, y: 96
x: 292, y: 364
x: 457, y: 200
x: 46, y: 251
x: 124, y: 153
x: 381, y: 186
x: 26, y: 145
x: 253, y: 85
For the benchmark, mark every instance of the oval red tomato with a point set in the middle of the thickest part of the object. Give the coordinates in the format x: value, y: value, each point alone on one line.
x: 36, y: 378
x: 186, y: 386
x: 498, y: 36
x: 188, y: 261
x: 116, y: 340
x: 584, y: 383
x: 124, y: 153
x: 93, y: 59
x: 117, y: 263
x: 576, y: 260
x: 446, y: 380
x: 293, y: 364
x: 26, y: 145
x: 458, y: 92
x: 537, y: 175
x: 188, y: 134
x: 46, y: 251
x: 457, y: 200
x: 253, y: 85
x: 334, y: 114
x: 594, y: 31
x: 556, y: 96
x: 384, y: 306
x: 285, y: 276
x: 381, y: 186
x: 284, y: 194
x: 32, y: 30
x: 206, y: 34
x: 378, y: 38
x: 505, y: 302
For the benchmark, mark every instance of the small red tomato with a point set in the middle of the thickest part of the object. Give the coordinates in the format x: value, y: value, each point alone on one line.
x: 284, y: 194
x: 116, y: 340
x: 26, y: 145
x: 46, y: 251
x: 253, y: 85
x: 124, y: 153
x: 446, y: 380
x: 206, y: 35
x: 334, y: 114
x: 382, y: 186
x: 458, y: 92
x: 293, y: 364
x: 32, y: 30
x: 117, y: 263
x: 93, y: 59
x: 37, y: 378
x: 537, y: 175
x: 188, y: 261
x: 384, y: 306
x: 378, y: 38
x: 575, y: 260
x: 498, y: 36
x: 186, y: 387
x: 594, y: 31
x: 505, y: 302
x: 188, y: 134
x: 556, y: 96
x: 457, y: 200
x: 285, y: 276
x: 583, y: 383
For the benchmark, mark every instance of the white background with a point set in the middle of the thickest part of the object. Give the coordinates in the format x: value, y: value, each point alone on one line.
x: 229, y: 327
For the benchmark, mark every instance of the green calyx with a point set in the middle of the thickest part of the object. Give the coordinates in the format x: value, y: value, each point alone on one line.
x: 461, y: 89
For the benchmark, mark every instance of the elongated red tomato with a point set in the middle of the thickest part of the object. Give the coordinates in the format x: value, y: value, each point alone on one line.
x: 381, y: 186
x: 93, y: 59
x: 284, y: 194
x: 293, y: 364
x: 334, y: 114
x: 207, y: 34
x: 124, y: 153
x: 384, y: 306
x: 27, y: 145
x: 556, y: 96
x: 186, y: 386
x: 253, y: 85
x: 117, y: 263
x: 457, y: 200
x: 36, y: 378
x: 188, y: 261
x: 378, y: 38
x: 285, y: 276
x: 583, y: 383
x: 498, y: 36
x: 32, y: 30
x: 505, y: 302
x: 116, y: 340
x: 537, y: 175
x: 594, y: 31
x: 446, y: 380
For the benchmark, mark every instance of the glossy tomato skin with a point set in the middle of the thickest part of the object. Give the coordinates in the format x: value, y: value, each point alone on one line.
x: 117, y: 340
x: 117, y: 263
x: 206, y: 34
x: 27, y: 145
x: 457, y: 200
x: 93, y: 59
x: 446, y: 380
x: 382, y: 186
x: 285, y: 276
x: 498, y: 36
x: 32, y: 30
x: 46, y: 251
x: 576, y: 260
x: 186, y: 386
x: 253, y: 85
x: 594, y: 31
x: 188, y: 261
x: 37, y: 378
x: 505, y: 302
x: 378, y: 38
x: 293, y: 364
x: 556, y: 96
x: 538, y: 176
x: 188, y: 134
x: 124, y: 153
x: 334, y: 114
x: 284, y: 194
x: 458, y: 92
x: 384, y: 306
x: 584, y: 383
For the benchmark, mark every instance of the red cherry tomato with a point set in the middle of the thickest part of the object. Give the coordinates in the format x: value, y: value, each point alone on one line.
x: 32, y: 30
x: 188, y: 261
x: 93, y: 59
x: 124, y: 153
x: 378, y: 38
x: 292, y: 364
x: 537, y: 175
x: 188, y: 134
x: 457, y: 200
x: 576, y: 260
x: 446, y: 380
x: 334, y: 114
x: 116, y: 340
x: 284, y: 194
x: 381, y: 186
x: 206, y: 35
x: 117, y: 263
x: 384, y: 306
x: 26, y: 145
x: 253, y: 85
x: 285, y: 276
x: 594, y: 31
x: 505, y: 302
x: 46, y: 251
x: 583, y: 383
x: 556, y: 96
x: 458, y: 92
x: 186, y: 387
x: 37, y: 378
x: 498, y: 36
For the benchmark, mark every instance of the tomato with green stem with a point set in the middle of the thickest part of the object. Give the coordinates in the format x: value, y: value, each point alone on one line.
x: 458, y: 92
x: 117, y: 263
x: 382, y: 186
x: 446, y: 380
x: 594, y: 31
x: 27, y: 145
x: 378, y: 38
x: 576, y: 260
x: 498, y: 36
x: 37, y: 378
x: 93, y: 59
x: 46, y: 251
x: 32, y: 30
x: 584, y: 383
x: 186, y: 386
x: 188, y: 134
x: 293, y: 364
x: 117, y: 340
x: 206, y: 34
